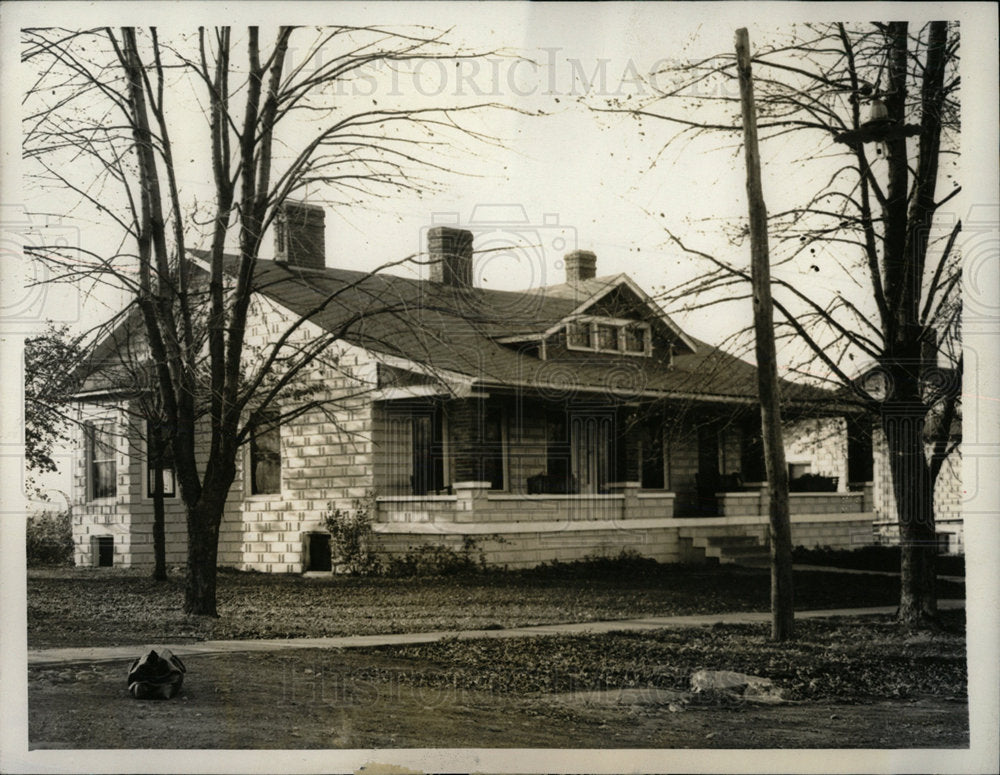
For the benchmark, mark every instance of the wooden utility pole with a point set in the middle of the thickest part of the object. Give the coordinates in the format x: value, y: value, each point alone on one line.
x: 782, y: 611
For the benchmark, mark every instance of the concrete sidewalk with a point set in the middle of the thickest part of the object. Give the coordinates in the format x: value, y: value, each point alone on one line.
x: 59, y: 656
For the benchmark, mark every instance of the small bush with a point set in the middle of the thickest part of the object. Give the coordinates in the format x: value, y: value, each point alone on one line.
x: 627, y: 564
x: 438, y: 560
x: 352, y: 540
x: 49, y: 539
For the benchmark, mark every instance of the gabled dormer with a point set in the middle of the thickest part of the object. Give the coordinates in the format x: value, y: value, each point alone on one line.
x: 608, y: 315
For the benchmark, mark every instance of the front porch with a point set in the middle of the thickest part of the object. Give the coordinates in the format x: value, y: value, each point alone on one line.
x: 532, y: 478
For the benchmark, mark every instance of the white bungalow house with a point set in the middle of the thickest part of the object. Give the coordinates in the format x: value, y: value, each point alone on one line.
x: 563, y: 421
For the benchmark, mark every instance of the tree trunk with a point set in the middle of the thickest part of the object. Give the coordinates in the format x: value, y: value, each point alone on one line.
x: 782, y: 597
x: 912, y: 487
x: 203, y: 549
x: 155, y: 455
x: 159, y: 533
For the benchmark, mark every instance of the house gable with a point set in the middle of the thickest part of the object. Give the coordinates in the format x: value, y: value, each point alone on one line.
x: 610, y: 316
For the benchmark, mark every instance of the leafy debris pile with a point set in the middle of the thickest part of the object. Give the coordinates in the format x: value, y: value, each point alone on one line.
x: 862, y: 659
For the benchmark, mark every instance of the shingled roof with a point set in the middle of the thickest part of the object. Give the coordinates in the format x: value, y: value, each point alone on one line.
x: 489, y: 337
x: 469, y: 331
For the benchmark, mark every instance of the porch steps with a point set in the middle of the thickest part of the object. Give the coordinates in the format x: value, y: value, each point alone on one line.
x: 728, y: 549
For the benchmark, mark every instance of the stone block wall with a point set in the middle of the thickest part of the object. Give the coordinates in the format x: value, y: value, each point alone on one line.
x: 326, y: 458
x: 527, y: 547
x: 327, y: 455
x: 841, y: 534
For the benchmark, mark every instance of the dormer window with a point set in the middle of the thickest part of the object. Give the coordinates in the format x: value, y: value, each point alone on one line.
x: 609, y: 335
x: 635, y: 339
x: 579, y: 336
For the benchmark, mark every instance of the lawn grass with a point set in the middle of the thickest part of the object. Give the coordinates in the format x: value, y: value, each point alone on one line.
x: 840, y: 658
x: 89, y: 607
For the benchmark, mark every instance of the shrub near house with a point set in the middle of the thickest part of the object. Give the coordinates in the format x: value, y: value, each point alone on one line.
x: 49, y: 539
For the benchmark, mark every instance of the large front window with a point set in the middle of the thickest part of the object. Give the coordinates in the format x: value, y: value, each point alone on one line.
x: 427, y: 459
x: 591, y: 451
x: 265, y: 454
x: 102, y: 469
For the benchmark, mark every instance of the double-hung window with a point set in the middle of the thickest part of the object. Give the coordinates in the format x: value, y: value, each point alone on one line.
x: 265, y: 454
x: 101, y: 461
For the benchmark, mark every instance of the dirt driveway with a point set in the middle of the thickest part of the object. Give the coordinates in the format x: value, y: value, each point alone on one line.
x: 303, y: 699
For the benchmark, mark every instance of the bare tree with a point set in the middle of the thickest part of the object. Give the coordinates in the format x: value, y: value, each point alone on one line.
x: 101, y: 118
x: 865, y: 118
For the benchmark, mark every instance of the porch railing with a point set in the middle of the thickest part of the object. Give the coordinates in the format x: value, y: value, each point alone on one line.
x: 757, y: 502
x: 476, y: 502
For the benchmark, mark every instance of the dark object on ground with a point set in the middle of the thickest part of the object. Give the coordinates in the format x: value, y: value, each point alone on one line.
x: 156, y: 676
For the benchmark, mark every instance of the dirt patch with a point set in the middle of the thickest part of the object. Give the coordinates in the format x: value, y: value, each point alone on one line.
x: 319, y: 699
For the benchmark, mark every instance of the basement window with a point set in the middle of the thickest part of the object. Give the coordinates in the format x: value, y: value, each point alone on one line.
x: 103, y: 551
x: 318, y: 547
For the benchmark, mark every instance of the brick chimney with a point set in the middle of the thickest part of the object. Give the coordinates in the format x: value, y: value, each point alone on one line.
x: 450, y: 255
x: 299, y: 235
x: 580, y: 265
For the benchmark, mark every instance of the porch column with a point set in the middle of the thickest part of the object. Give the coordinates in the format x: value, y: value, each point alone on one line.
x: 470, y: 497
x: 630, y: 501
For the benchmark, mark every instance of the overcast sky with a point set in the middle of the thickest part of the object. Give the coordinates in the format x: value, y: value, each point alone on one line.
x: 569, y: 179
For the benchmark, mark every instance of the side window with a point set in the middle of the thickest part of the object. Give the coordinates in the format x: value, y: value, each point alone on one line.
x: 101, y: 467
x: 165, y: 463
x: 265, y: 454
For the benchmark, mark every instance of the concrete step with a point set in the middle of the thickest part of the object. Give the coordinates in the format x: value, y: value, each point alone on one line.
x: 748, y: 550
x: 733, y: 540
